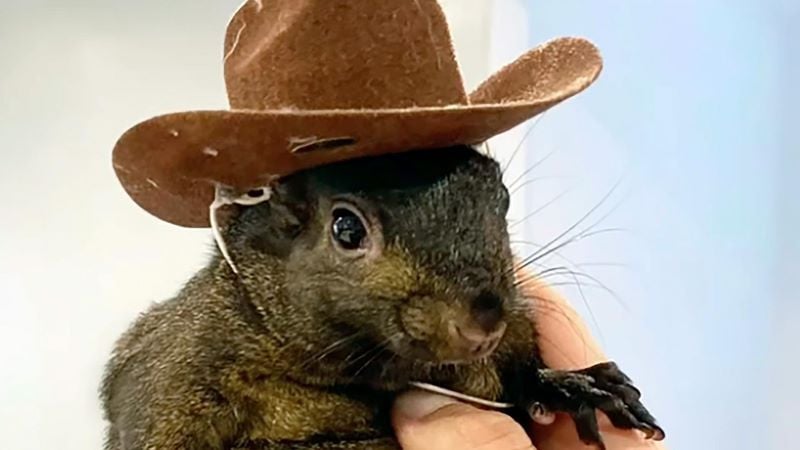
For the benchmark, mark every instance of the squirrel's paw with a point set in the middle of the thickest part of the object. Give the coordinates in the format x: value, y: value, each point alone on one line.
x: 580, y: 393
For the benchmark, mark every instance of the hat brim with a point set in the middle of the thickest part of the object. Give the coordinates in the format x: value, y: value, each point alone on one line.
x: 170, y: 164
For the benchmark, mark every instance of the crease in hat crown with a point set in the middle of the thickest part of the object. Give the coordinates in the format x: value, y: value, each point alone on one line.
x: 366, y: 78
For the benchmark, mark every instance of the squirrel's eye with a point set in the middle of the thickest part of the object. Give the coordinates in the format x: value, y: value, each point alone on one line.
x: 348, y: 229
x: 504, y: 200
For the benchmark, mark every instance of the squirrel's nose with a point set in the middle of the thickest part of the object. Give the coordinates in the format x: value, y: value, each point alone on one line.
x: 487, y: 311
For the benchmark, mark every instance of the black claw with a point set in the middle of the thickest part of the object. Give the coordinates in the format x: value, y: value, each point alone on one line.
x: 620, y: 417
x: 658, y: 433
x: 535, y: 409
x: 641, y: 412
x: 654, y: 432
x: 586, y: 425
x: 600, y: 387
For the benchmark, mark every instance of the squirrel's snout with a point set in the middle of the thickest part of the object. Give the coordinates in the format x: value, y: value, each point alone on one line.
x: 480, y: 331
x: 454, y: 330
x: 473, y: 341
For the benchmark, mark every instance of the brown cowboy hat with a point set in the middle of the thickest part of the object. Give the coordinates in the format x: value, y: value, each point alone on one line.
x: 311, y: 82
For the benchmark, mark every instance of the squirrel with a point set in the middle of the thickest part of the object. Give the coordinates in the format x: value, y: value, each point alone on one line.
x: 354, y: 279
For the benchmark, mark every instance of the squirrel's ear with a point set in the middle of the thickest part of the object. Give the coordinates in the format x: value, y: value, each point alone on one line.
x: 272, y: 226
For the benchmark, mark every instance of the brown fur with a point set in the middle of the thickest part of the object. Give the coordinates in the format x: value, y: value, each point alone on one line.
x: 306, y: 347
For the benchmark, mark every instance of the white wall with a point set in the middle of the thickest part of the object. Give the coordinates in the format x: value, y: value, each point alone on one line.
x: 78, y: 260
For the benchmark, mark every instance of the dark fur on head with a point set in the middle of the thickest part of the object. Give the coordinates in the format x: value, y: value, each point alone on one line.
x: 438, y: 255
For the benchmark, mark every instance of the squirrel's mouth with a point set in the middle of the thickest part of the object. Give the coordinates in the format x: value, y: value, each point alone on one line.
x: 459, y: 344
x: 445, y: 332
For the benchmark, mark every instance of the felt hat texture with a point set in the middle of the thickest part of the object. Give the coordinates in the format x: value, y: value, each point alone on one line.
x: 312, y: 82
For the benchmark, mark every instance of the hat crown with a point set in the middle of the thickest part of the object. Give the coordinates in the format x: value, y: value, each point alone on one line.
x: 340, y: 54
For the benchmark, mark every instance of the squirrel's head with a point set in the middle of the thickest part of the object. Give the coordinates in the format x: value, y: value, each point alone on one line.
x: 405, y: 254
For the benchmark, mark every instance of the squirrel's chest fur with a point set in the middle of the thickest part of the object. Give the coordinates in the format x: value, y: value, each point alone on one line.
x: 280, y: 409
x: 276, y: 406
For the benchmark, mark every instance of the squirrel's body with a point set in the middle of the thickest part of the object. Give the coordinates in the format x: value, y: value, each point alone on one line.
x: 204, y: 353
x: 306, y: 345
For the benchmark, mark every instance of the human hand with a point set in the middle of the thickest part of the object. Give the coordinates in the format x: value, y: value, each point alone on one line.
x: 425, y: 421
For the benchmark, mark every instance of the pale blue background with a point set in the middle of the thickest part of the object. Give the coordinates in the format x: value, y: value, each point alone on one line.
x: 696, y: 112
x: 697, y: 109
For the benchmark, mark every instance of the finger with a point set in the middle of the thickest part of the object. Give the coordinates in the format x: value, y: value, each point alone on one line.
x: 561, y: 436
x: 564, y: 339
x: 425, y: 421
x: 566, y: 343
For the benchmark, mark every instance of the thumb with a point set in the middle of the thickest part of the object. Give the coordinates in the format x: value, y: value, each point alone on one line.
x: 425, y: 421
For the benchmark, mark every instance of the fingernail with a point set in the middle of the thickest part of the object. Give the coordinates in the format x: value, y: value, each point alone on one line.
x: 418, y: 404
